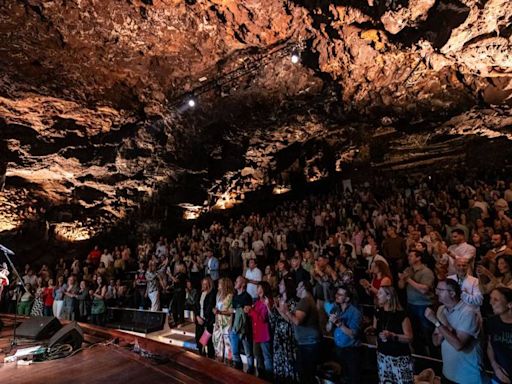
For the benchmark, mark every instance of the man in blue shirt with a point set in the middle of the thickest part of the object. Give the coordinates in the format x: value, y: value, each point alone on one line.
x: 212, y: 266
x: 345, y: 322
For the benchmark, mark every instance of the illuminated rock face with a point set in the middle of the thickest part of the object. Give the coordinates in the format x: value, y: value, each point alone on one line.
x: 92, y: 119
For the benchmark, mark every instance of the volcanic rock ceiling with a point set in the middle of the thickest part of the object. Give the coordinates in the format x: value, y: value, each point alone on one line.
x: 93, y: 120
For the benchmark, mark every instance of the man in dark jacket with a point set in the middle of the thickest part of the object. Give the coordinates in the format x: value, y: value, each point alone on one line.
x: 298, y: 272
x: 238, y: 332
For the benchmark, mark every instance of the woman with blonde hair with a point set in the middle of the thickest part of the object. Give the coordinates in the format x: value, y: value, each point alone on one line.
x: 394, y: 335
x: 223, y: 312
x: 204, y: 317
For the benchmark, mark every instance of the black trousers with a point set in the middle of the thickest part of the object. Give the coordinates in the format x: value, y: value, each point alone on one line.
x: 307, y: 360
x: 178, y: 305
x: 199, y: 332
x: 350, y: 360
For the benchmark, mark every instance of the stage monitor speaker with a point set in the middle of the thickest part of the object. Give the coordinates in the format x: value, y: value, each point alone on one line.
x: 70, y: 334
x: 38, y: 328
x: 135, y: 320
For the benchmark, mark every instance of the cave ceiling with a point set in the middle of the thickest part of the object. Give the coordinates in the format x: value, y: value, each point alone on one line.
x: 94, y: 121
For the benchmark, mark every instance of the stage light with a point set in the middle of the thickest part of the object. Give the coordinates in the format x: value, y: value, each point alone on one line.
x: 295, y: 58
x: 191, y: 103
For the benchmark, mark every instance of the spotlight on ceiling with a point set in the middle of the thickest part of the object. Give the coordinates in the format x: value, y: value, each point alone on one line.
x: 188, y: 102
x: 295, y: 58
x: 191, y: 103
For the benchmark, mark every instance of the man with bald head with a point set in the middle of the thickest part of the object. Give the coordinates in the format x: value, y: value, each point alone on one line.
x: 469, y: 285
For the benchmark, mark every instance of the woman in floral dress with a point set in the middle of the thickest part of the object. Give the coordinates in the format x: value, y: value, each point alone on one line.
x: 223, y: 319
x: 285, y: 347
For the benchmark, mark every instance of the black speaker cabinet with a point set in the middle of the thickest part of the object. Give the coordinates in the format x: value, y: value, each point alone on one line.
x: 70, y: 334
x: 38, y: 328
x: 135, y: 320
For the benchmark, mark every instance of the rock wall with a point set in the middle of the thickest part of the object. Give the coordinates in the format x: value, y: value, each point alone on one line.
x: 92, y: 123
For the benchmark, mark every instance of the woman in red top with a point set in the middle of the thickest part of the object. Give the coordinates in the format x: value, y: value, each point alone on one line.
x: 48, y: 298
x: 261, y: 327
x: 381, y: 278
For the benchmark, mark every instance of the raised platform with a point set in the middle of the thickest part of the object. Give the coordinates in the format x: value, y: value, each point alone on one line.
x: 107, y: 356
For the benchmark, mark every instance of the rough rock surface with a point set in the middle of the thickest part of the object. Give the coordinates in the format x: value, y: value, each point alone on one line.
x: 92, y: 119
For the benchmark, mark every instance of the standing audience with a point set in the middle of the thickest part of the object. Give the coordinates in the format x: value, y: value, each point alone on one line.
x: 454, y: 231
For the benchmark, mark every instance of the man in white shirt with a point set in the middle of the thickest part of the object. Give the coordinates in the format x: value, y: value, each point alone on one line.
x: 106, y: 258
x: 371, y: 254
x: 253, y: 276
x: 258, y: 246
x: 469, y: 285
x: 460, y: 248
x: 161, y: 249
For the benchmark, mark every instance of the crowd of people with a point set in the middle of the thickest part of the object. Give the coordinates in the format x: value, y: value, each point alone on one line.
x: 414, y: 266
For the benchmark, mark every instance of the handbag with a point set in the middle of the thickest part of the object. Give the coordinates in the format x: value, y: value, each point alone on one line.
x: 205, y: 338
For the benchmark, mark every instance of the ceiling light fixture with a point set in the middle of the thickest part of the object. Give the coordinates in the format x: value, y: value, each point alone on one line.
x: 225, y: 80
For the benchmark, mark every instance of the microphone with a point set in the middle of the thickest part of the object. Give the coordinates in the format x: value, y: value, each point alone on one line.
x: 6, y: 250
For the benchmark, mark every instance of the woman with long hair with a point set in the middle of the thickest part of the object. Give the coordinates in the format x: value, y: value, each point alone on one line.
x: 503, y: 278
x: 381, y: 277
x: 98, y: 308
x: 259, y: 314
x: 284, y: 343
x: 223, y: 320
x: 394, y: 335
x: 204, y: 316
x: 499, y: 329
x: 48, y: 298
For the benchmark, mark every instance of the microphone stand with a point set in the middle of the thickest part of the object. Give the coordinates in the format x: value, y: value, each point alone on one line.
x: 8, y: 252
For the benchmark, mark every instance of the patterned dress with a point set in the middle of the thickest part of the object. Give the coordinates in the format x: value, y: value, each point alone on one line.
x: 221, y: 328
x: 285, y: 347
x: 37, y: 308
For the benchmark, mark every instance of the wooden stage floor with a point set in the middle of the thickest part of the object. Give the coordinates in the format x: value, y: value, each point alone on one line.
x: 107, y: 356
